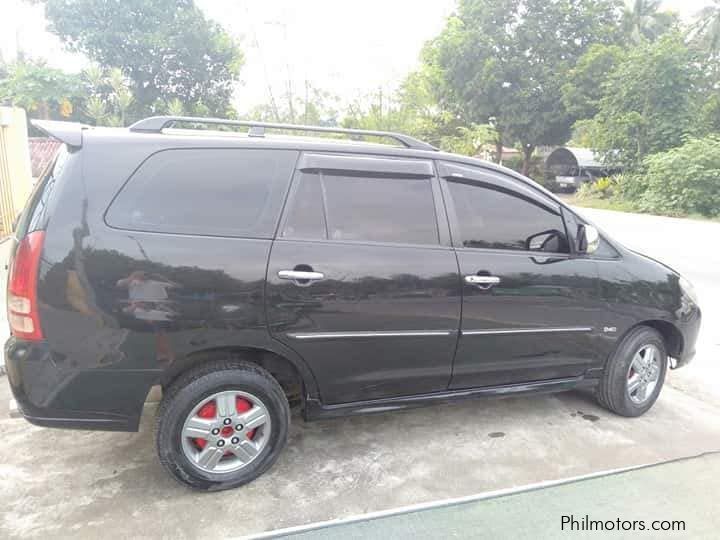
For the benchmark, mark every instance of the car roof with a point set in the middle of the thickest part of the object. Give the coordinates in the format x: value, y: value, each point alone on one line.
x: 75, y: 135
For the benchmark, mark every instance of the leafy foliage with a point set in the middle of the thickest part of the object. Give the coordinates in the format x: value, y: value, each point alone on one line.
x: 642, y: 20
x: 602, y: 188
x: 44, y: 91
x: 584, y: 88
x: 314, y: 107
x: 505, y: 62
x: 707, y: 29
x: 649, y: 102
x: 683, y: 180
x: 167, y: 48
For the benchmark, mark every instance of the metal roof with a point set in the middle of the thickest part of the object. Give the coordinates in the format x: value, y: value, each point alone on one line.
x: 585, y: 157
x: 42, y: 153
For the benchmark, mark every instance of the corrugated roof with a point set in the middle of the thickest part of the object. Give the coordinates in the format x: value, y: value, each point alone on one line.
x: 585, y: 157
x: 42, y: 152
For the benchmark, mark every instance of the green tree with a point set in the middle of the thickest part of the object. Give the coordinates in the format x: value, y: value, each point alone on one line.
x: 387, y: 112
x: 166, y: 48
x: 43, y: 91
x: 121, y: 95
x: 707, y: 30
x: 314, y: 107
x: 97, y: 110
x: 650, y: 102
x: 107, y: 96
x: 414, y: 109
x: 504, y: 62
x: 583, y: 90
x: 643, y: 20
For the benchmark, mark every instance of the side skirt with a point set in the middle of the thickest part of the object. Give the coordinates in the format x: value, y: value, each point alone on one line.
x: 316, y: 410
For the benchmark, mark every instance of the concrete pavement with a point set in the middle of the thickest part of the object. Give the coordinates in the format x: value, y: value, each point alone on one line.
x: 614, y: 506
x: 86, y: 484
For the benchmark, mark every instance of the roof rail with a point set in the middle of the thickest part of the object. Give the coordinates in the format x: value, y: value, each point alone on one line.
x: 155, y: 124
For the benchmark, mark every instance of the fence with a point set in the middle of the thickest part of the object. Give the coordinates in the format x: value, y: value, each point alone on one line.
x: 15, y: 175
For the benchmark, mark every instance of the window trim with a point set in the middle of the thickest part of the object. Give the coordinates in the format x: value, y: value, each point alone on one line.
x: 503, y: 184
x: 366, y: 165
x: 440, y: 213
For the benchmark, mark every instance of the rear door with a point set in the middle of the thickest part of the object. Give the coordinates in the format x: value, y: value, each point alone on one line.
x: 530, y: 306
x: 362, y: 280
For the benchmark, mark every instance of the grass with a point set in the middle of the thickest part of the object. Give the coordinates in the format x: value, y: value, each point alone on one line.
x: 622, y: 206
x: 602, y: 204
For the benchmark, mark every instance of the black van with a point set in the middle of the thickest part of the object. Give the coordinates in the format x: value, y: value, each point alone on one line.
x: 246, y: 273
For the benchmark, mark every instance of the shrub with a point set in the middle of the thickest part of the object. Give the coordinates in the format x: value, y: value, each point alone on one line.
x: 602, y: 188
x: 684, y: 180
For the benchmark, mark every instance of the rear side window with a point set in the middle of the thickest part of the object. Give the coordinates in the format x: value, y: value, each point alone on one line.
x: 494, y: 219
x: 363, y: 208
x: 225, y: 192
x: 306, y: 215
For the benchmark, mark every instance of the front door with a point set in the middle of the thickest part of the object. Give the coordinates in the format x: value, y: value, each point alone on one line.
x: 530, y: 306
x: 362, y: 282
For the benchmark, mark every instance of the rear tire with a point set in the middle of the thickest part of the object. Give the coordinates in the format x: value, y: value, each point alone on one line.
x: 199, y: 403
x: 635, y: 374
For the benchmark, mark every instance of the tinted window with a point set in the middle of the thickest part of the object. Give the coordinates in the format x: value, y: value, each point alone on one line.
x: 380, y: 209
x: 605, y: 250
x: 229, y: 192
x: 490, y: 218
x: 305, y: 214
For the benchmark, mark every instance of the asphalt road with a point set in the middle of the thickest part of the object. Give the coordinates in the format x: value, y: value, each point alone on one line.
x: 87, y: 484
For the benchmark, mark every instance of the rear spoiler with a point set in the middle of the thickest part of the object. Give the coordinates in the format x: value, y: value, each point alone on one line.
x: 68, y: 132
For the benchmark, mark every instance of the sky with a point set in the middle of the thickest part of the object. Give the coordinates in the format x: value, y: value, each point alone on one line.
x: 348, y: 48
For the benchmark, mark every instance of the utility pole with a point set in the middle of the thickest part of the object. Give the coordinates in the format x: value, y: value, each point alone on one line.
x: 307, y: 99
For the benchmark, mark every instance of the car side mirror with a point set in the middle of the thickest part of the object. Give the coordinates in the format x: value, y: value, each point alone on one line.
x: 588, y: 239
x: 551, y: 241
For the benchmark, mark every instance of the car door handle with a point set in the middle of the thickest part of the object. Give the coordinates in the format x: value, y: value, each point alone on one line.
x: 482, y: 282
x: 300, y: 275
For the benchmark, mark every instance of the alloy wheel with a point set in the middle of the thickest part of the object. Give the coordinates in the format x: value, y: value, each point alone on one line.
x: 643, y: 374
x: 226, y: 431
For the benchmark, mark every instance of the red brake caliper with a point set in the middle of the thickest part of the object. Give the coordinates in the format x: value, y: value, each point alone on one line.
x: 243, y: 405
x: 209, y: 410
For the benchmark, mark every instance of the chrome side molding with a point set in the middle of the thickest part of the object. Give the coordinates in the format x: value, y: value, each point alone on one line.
x: 500, y: 331
x: 399, y: 333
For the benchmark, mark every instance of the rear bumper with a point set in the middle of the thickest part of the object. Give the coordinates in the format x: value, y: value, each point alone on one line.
x: 50, y: 394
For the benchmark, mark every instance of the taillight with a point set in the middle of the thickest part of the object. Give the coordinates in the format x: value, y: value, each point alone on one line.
x: 22, y: 288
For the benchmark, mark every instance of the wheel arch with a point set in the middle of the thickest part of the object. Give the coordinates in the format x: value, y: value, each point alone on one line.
x: 281, y: 364
x: 670, y: 333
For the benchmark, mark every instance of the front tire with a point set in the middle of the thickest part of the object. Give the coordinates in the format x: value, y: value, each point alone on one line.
x: 635, y: 374
x: 222, y: 425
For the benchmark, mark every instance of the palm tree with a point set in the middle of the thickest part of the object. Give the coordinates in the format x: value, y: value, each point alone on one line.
x: 707, y: 29
x: 121, y: 94
x: 642, y: 20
